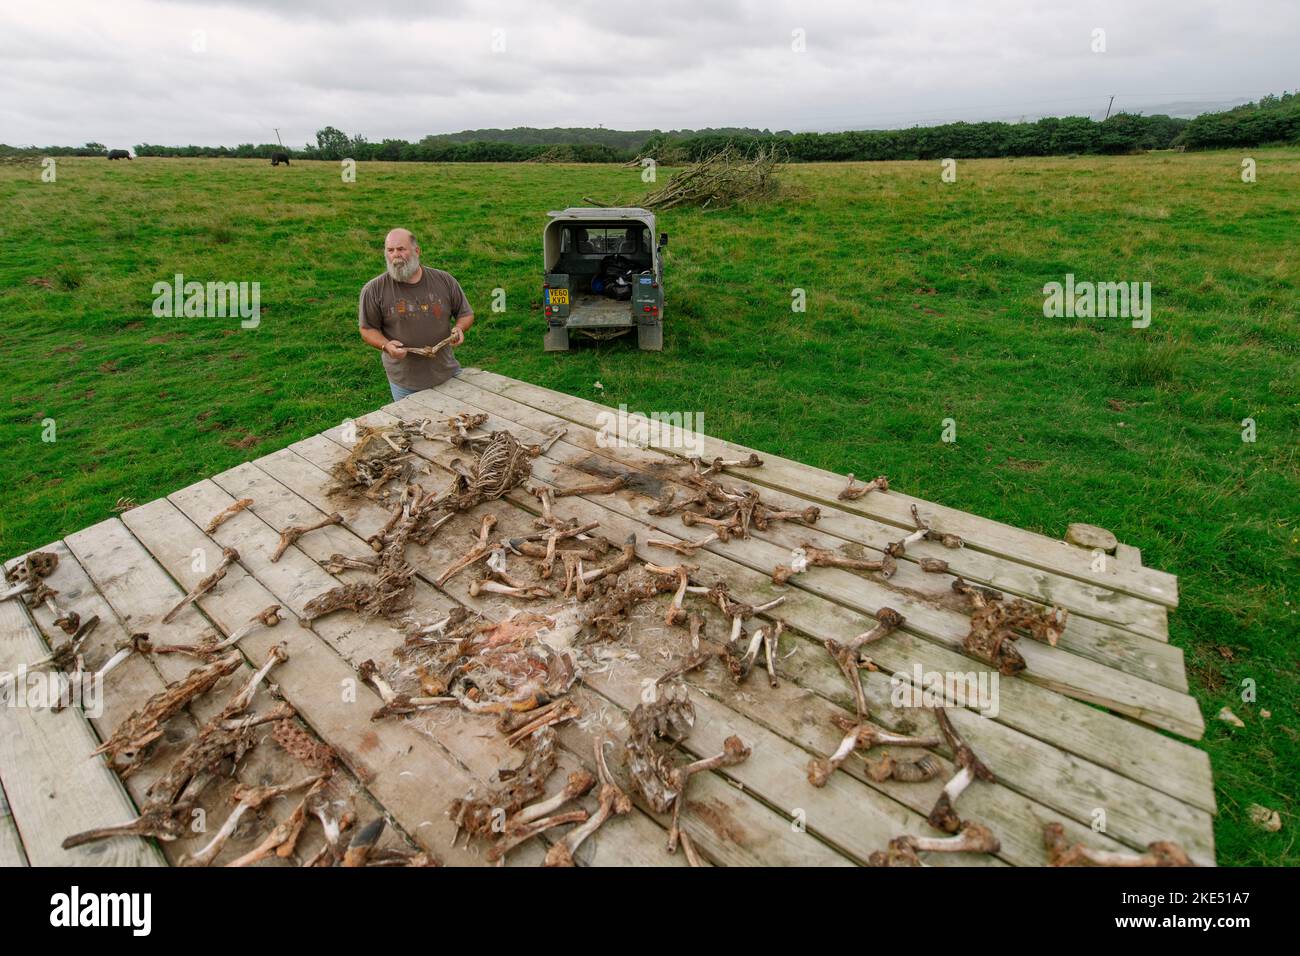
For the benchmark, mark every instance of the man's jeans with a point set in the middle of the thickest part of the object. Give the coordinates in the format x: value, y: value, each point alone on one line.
x: 400, y: 393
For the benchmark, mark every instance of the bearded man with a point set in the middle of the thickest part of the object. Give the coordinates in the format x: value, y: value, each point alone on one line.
x: 411, y: 306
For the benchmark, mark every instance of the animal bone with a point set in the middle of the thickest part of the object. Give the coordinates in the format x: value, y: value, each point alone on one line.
x: 27, y: 573
x: 246, y: 798
x: 224, y: 515
x: 228, y: 557
x: 477, y: 553
x: 903, y: 850
x: 997, y: 623
x: 933, y: 565
x: 395, y: 704
x: 525, y: 832
x: 363, y: 843
x: 763, y: 516
x: 240, y: 701
x: 943, y: 816
x: 144, y: 726
x: 905, y: 771
x: 682, y: 573
x: 1059, y: 853
x: 806, y: 556
x: 722, y: 530
x: 859, y: 736
x: 739, y: 662
x: 687, y: 548
x: 947, y: 540
x: 342, y: 562
x: 613, y: 802
x: 734, y: 751
x: 579, y: 782
x: 494, y: 582
x: 852, y: 492
x: 164, y: 823
x: 738, y: 611
x: 429, y: 351
x: 771, y: 636
x: 753, y: 461
x: 284, y: 836
x: 554, y: 713
x: 617, y: 566
x: 523, y: 783
x: 595, y: 488
x: 290, y: 535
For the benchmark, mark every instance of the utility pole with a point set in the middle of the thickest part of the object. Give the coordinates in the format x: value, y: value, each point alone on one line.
x: 277, y: 137
x: 1108, y: 106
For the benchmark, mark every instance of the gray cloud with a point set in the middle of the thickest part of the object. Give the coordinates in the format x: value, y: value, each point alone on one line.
x: 196, y: 71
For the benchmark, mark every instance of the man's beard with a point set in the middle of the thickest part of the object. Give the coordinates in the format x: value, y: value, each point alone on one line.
x: 404, y: 273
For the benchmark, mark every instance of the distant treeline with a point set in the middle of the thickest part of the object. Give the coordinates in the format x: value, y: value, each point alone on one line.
x: 1274, y: 119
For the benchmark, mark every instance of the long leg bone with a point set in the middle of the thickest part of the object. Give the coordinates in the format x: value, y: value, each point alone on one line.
x: 1060, y: 853
x: 247, y: 798
x: 903, y: 850
x: 228, y: 557
x: 943, y: 816
x: 807, y: 556
x: 239, y: 703
x: 477, y: 553
x: 613, y: 801
x: 853, y: 492
x: 290, y: 535
x: 525, y: 832
x: 284, y: 836
x: 860, y: 736
x: 221, y: 517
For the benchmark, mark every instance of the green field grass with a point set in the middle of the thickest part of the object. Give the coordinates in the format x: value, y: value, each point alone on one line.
x: 924, y: 303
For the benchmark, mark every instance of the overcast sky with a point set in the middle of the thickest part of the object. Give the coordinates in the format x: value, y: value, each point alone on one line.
x: 197, y: 71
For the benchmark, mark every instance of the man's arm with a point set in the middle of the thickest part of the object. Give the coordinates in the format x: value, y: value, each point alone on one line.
x: 464, y: 313
x: 369, y: 321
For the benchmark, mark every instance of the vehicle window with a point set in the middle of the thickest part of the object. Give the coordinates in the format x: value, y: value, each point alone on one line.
x: 603, y: 240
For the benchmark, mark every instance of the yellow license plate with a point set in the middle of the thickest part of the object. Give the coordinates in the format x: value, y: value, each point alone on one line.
x: 559, y: 297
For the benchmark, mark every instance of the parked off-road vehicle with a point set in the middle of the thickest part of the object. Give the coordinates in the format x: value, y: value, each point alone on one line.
x: 604, y: 276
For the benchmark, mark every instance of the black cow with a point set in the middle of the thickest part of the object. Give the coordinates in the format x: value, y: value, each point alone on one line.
x: 118, y: 154
x: 278, y: 158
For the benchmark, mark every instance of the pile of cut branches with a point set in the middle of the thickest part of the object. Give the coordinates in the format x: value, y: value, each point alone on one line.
x: 721, y: 179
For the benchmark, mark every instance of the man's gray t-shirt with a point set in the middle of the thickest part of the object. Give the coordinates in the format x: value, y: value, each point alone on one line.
x: 415, y: 314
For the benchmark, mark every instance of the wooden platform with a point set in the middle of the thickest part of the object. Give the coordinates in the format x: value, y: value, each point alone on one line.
x: 1088, y: 735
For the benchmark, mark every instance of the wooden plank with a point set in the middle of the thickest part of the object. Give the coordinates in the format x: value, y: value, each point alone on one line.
x: 1088, y: 603
x: 11, y: 847
x: 935, y: 619
x: 1028, y: 547
x: 1048, y: 773
x: 479, y: 743
x: 53, y: 784
x: 835, y: 530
